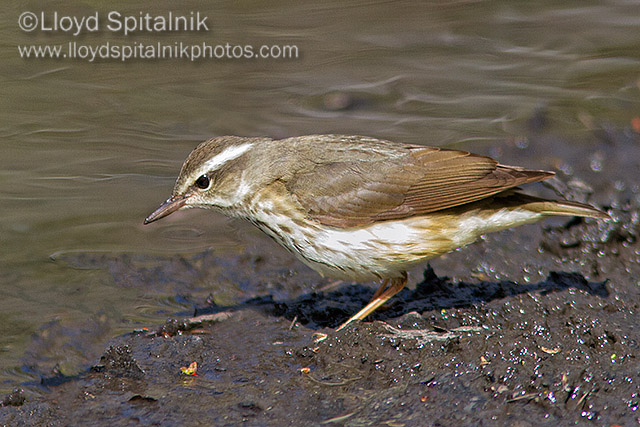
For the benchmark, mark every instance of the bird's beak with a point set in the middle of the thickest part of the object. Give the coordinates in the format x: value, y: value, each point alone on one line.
x: 170, y: 205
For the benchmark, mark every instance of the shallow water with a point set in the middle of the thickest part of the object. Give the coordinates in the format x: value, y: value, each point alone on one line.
x: 89, y: 149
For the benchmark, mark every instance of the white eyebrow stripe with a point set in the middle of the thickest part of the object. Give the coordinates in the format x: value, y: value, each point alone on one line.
x: 225, y: 156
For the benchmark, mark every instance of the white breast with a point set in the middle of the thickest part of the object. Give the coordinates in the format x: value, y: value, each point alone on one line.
x: 384, y: 249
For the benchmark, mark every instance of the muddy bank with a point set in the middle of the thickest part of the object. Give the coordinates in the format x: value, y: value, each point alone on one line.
x: 560, y: 350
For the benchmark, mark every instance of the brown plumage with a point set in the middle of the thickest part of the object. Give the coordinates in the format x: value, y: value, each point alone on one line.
x: 423, y: 180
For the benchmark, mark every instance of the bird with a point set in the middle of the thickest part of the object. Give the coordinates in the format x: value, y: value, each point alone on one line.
x: 360, y: 208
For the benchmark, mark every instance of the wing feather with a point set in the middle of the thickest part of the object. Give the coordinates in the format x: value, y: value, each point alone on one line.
x: 421, y: 180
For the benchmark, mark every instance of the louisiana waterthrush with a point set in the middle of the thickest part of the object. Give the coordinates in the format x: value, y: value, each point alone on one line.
x: 358, y: 208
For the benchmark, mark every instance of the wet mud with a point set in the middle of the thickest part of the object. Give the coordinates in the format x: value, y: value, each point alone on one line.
x: 535, y: 326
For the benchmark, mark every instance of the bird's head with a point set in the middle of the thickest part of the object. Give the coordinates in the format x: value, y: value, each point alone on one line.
x: 221, y: 173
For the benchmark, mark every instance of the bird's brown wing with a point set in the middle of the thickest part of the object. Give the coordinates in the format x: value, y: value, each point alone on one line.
x: 353, y: 193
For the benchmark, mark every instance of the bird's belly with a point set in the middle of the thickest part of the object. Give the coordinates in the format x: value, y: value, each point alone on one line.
x: 386, y: 249
x: 382, y: 250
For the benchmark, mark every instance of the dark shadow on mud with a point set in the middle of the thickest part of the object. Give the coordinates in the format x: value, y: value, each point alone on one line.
x: 320, y: 310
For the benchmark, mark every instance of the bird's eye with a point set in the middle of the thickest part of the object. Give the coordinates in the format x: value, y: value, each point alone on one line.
x: 203, y: 182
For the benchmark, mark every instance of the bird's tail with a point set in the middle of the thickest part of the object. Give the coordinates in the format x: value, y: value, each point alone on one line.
x: 560, y: 207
